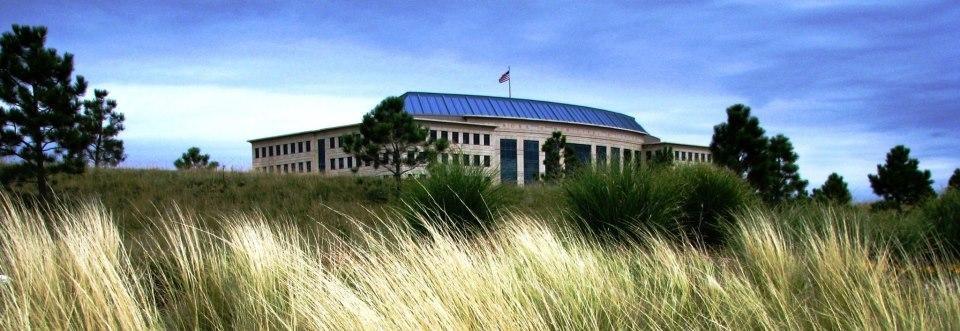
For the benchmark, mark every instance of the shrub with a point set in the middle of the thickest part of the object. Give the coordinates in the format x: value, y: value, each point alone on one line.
x: 711, y: 198
x: 461, y: 198
x: 622, y: 203
x: 685, y: 200
x: 943, y: 215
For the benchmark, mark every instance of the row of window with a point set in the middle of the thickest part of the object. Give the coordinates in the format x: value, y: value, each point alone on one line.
x: 283, y: 149
x: 465, y: 159
x: 692, y: 156
x: 289, y: 167
x: 465, y: 138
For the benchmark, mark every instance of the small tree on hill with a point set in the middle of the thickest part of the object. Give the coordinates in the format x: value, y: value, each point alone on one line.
x: 900, y: 181
x: 390, y: 138
x: 834, y: 190
x: 785, y: 183
x: 740, y: 145
x: 555, y: 148
x: 193, y: 160
x: 41, y: 122
x: 103, y: 124
x: 662, y: 157
x: 954, y: 182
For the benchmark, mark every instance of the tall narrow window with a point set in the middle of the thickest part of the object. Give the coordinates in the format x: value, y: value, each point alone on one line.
x: 300, y: 147
x: 256, y: 153
x: 308, y: 166
x: 466, y: 138
x: 433, y: 135
x: 456, y: 137
x: 300, y: 167
x: 466, y: 159
x: 601, y: 155
x: 333, y: 164
x: 340, y: 163
x: 531, y: 160
x: 285, y: 150
x: 443, y: 135
x: 308, y: 146
x: 486, y: 140
x: 350, y: 162
x: 332, y: 141
x: 476, y: 160
x: 476, y: 139
x: 286, y: 169
x: 486, y: 160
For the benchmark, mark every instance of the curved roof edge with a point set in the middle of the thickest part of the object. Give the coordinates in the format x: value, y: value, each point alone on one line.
x: 465, y: 105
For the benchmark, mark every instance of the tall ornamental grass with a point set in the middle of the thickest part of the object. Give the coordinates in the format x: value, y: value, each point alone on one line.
x: 68, y: 270
x: 695, y: 202
x: 454, y: 197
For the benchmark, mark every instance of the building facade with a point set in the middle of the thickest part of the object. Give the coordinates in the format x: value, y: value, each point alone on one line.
x: 502, y: 134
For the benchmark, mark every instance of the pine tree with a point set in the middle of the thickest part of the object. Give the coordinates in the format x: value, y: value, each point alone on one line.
x: 786, y: 183
x: 193, y: 160
x: 900, y: 181
x: 553, y: 149
x: 740, y: 145
x: 390, y: 138
x: 662, y: 157
x: 102, y: 123
x: 834, y: 190
x: 41, y: 122
x: 954, y: 182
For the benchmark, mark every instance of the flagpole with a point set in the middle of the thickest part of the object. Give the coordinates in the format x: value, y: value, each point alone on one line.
x: 509, y: 87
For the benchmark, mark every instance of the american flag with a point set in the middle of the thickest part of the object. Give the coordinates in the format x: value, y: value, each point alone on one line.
x: 505, y: 77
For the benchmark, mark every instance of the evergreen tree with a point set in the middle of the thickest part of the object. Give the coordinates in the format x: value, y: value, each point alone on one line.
x: 40, y: 124
x: 102, y: 123
x: 552, y: 149
x: 193, y: 160
x: 662, y: 157
x: 740, y: 145
x: 900, y: 181
x: 833, y: 190
x: 390, y: 138
x: 954, y: 182
x: 786, y: 183
x: 571, y: 164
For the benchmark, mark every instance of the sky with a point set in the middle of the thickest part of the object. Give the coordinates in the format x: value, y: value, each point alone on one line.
x: 844, y: 80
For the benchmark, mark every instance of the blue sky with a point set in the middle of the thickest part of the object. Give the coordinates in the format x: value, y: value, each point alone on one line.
x: 845, y: 80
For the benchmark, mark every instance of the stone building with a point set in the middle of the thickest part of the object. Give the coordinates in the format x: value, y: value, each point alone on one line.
x: 503, y: 134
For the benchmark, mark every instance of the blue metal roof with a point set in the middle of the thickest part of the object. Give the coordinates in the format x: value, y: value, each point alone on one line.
x: 441, y: 104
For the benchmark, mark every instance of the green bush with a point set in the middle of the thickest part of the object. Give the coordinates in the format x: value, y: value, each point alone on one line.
x: 622, y: 203
x: 460, y: 198
x: 695, y: 201
x: 943, y: 215
x: 711, y: 196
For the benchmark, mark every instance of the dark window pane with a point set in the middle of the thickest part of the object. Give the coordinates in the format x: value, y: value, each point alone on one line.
x: 486, y: 160
x: 300, y: 147
x: 508, y: 161
x: 476, y: 139
x: 456, y: 137
x: 531, y: 160
x: 308, y: 146
x: 466, y: 138
x: 486, y: 140
x: 601, y: 155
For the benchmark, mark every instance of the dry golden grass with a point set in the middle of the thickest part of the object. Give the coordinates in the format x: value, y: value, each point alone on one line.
x: 68, y: 269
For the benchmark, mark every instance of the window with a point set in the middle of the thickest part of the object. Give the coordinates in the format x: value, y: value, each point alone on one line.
x: 508, y: 161
x: 270, y: 149
x: 476, y: 139
x: 308, y: 162
x: 278, y: 167
x: 456, y: 137
x: 308, y: 146
x: 627, y: 156
x: 340, y: 163
x: 476, y: 160
x: 443, y: 135
x: 486, y: 140
x: 285, y: 149
x: 340, y: 141
x: 486, y: 160
x: 263, y: 151
x: 601, y: 155
x: 256, y: 153
x: 293, y: 150
x: 321, y: 155
x: 350, y: 162
x: 331, y: 143
x: 531, y: 160
x: 300, y: 165
x: 433, y: 135
x: 466, y: 159
x: 286, y: 169
x: 333, y: 165
x: 676, y: 155
x: 466, y: 138
x: 649, y: 155
x: 300, y: 147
